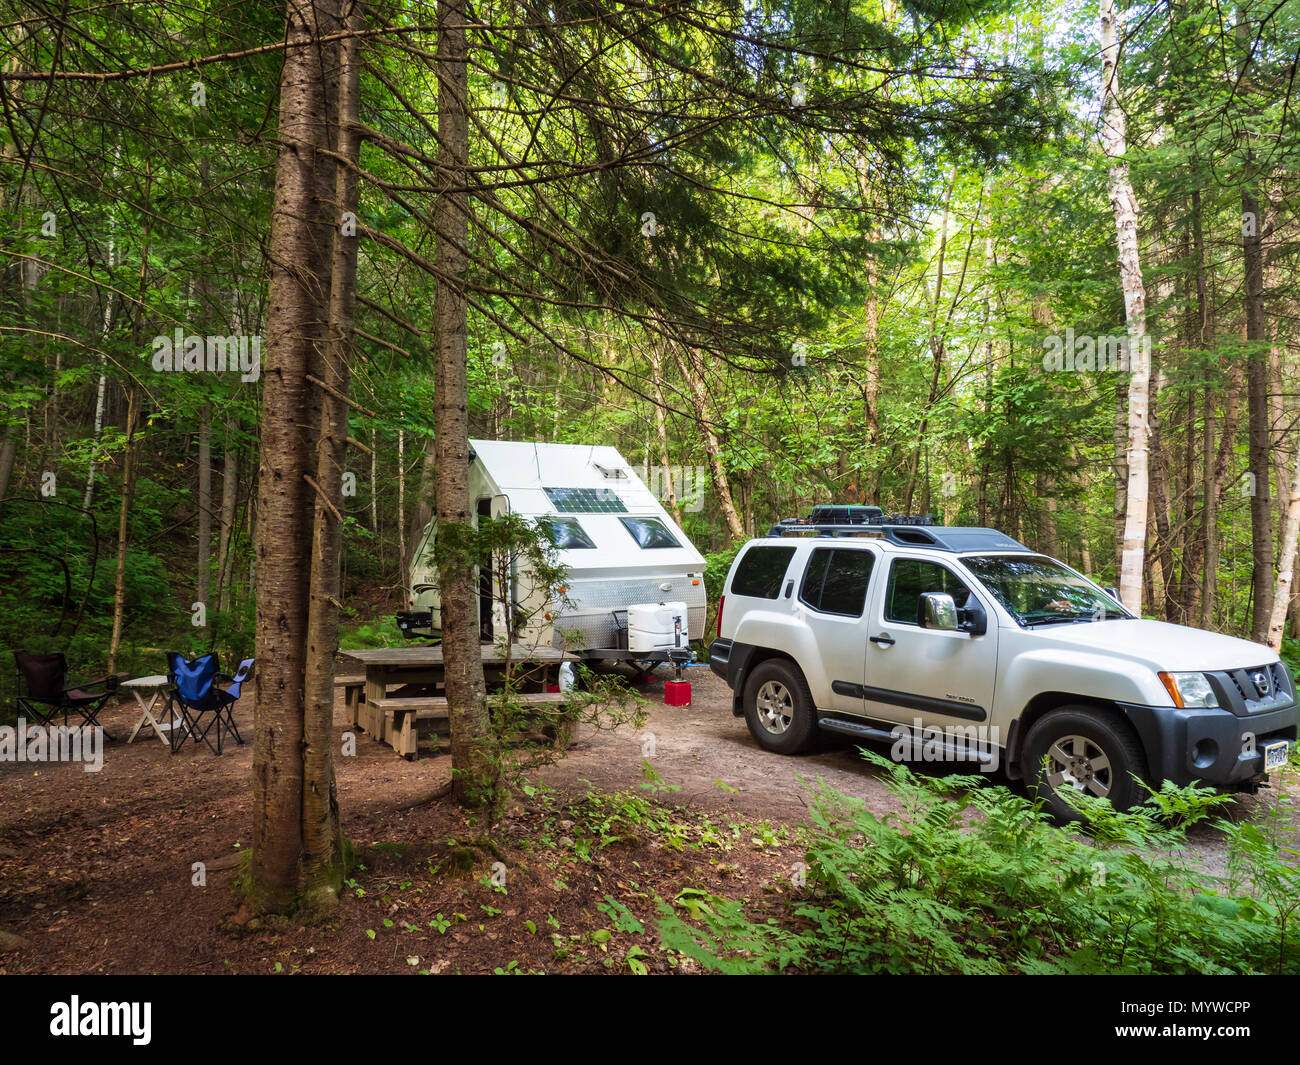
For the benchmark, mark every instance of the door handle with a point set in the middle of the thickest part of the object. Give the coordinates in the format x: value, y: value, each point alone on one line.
x: 884, y: 639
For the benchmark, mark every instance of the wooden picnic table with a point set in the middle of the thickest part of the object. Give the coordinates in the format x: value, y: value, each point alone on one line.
x: 418, y: 673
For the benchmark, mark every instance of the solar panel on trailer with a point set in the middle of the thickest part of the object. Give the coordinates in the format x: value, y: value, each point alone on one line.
x: 585, y: 501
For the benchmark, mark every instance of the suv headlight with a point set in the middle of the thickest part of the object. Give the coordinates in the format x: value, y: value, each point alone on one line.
x: 1189, y: 689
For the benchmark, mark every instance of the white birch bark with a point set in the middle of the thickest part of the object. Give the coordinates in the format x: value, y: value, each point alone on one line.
x: 1123, y: 202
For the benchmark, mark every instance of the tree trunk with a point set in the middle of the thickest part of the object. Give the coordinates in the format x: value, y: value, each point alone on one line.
x: 229, y: 500
x: 871, y: 342
x: 1165, y: 604
x: 1214, y: 489
x: 101, y: 388
x: 1285, y: 581
x: 322, y: 836
x: 204, y: 570
x: 1257, y: 405
x: 8, y: 450
x: 661, y: 430
x: 123, y: 514
x: 475, y: 774
x: 1124, y: 204
x: 296, y: 302
x: 422, y: 508
x: 401, y: 505
x: 938, y: 342
x: 711, y: 445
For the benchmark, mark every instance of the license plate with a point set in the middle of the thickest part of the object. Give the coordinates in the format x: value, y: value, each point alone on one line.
x: 1275, y: 755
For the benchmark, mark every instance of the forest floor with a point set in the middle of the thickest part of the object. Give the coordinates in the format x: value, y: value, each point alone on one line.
x: 97, y: 870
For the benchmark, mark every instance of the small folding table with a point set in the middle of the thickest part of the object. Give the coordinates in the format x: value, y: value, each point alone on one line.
x: 156, y: 686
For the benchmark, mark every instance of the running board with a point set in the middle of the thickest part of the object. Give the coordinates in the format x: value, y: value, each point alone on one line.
x: 952, y: 751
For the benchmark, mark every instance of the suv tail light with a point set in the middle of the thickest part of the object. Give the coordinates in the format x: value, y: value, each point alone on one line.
x: 718, y: 626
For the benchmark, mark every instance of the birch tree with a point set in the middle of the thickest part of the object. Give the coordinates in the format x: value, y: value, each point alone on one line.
x: 1123, y: 202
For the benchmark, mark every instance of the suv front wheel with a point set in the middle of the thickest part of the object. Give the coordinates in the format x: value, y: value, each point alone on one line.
x: 779, y: 708
x: 1077, y: 748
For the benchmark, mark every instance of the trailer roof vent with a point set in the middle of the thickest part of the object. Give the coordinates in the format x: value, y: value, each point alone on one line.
x: 611, y: 473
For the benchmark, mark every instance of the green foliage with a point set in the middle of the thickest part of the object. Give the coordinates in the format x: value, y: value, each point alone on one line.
x: 974, y: 879
x: 379, y: 632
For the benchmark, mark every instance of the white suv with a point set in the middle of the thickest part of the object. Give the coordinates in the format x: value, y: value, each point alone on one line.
x: 960, y: 643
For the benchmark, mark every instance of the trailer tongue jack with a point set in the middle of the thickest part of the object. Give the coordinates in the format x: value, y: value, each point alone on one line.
x: 677, y: 692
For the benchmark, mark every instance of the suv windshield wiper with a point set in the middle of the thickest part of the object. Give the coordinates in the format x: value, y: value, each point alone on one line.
x: 1060, y: 619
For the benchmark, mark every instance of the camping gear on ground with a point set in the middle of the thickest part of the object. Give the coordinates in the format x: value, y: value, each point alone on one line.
x: 44, y: 692
x: 201, y: 704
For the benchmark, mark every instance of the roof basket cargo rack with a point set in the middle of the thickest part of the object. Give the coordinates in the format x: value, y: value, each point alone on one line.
x: 908, y: 530
x: 844, y: 514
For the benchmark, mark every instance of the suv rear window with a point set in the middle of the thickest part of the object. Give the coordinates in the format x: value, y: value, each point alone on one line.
x: 909, y: 578
x: 836, y: 580
x: 760, y: 571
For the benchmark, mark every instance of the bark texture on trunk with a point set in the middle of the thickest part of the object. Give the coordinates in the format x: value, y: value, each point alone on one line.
x: 1123, y: 202
x: 204, y: 561
x: 323, y: 847
x: 712, y: 446
x: 1261, y: 506
x: 229, y: 500
x: 661, y: 431
x: 474, y: 769
x: 294, y: 327
x: 1285, y: 576
x: 123, y: 516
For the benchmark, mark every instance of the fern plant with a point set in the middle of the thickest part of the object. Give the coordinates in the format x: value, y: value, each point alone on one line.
x: 971, y: 878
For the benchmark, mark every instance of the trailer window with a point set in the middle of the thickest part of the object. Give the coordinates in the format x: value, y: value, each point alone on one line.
x: 567, y: 534
x: 649, y: 532
x: 760, y: 571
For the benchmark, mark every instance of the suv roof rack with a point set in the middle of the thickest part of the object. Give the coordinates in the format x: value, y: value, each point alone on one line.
x: 907, y: 533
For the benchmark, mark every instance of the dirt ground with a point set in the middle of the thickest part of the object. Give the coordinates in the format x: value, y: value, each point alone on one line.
x: 98, y: 873
x: 702, y: 746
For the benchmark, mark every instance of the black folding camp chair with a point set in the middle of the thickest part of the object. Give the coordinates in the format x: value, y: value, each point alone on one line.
x: 201, y: 705
x: 44, y: 692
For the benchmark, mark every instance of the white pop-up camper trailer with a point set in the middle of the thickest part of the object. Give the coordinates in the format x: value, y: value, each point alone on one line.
x: 619, y: 546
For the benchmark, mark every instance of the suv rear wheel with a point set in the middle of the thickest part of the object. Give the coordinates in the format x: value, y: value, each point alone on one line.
x: 1087, y: 751
x: 779, y: 708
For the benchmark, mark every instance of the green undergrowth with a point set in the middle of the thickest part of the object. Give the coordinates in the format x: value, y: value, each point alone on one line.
x: 971, y: 879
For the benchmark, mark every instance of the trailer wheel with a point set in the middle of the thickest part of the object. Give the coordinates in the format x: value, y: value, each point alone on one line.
x: 779, y: 707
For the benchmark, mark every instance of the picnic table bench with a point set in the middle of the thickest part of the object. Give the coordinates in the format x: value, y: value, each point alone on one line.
x: 418, y: 675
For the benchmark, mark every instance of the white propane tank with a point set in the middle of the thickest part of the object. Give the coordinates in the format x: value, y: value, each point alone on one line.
x: 655, y: 627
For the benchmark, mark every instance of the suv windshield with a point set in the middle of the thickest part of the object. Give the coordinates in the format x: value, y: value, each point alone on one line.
x: 1038, y: 591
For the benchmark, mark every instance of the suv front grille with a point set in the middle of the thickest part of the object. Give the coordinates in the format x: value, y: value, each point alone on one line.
x: 1238, y: 690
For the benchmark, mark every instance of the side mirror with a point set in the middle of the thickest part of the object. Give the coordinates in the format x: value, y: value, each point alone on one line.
x: 938, y: 611
x: 973, y: 618
x: 1113, y: 592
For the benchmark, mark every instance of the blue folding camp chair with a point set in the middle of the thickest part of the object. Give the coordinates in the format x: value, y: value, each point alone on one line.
x: 201, y: 705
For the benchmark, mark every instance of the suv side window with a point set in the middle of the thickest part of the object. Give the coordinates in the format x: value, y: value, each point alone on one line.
x: 760, y: 571
x: 836, y: 580
x: 909, y: 578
